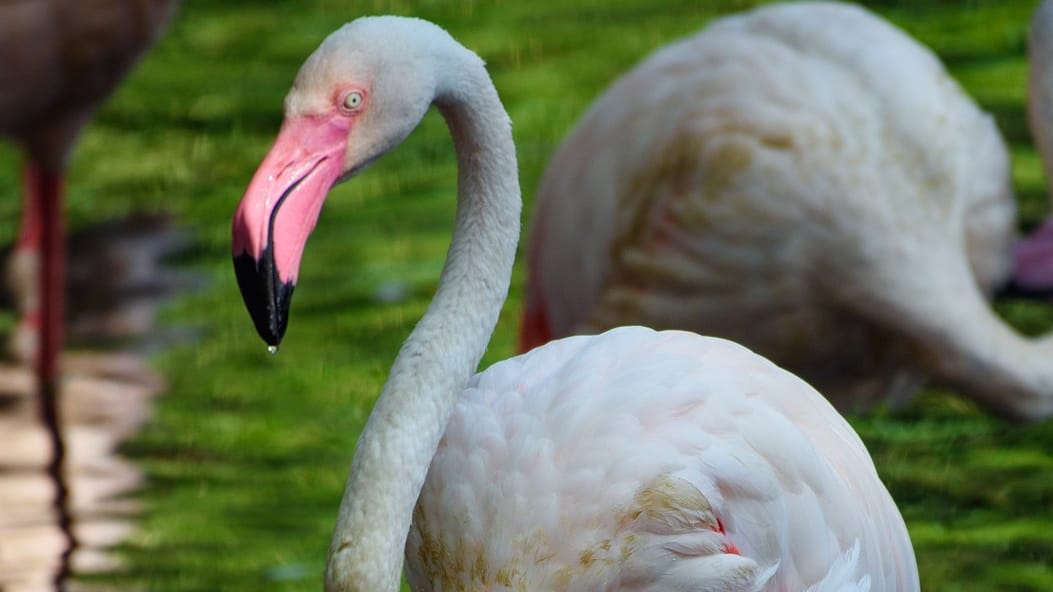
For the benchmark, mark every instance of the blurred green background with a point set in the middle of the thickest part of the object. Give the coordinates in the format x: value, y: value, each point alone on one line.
x: 247, y: 454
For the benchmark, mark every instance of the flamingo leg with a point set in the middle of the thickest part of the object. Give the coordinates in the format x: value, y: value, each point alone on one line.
x: 41, y: 243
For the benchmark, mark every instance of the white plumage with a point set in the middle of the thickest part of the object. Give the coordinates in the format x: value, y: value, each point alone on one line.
x: 804, y: 179
x: 635, y: 460
x: 604, y: 462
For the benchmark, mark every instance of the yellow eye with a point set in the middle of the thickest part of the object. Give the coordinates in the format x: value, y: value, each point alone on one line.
x: 353, y: 100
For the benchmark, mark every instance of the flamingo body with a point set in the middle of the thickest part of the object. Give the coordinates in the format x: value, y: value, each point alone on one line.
x: 62, y: 58
x: 804, y: 179
x: 643, y: 460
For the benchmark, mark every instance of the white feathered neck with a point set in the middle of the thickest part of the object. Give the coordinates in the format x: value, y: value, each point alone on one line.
x: 443, y: 351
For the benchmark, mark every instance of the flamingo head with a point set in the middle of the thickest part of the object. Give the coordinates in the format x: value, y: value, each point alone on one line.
x: 357, y: 96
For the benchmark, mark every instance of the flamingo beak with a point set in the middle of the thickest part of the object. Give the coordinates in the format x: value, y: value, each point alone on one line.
x: 278, y: 212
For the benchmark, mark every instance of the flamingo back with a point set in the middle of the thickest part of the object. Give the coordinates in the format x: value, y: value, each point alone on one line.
x: 643, y: 460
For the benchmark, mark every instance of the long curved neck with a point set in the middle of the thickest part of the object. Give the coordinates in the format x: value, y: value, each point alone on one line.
x: 1040, y: 100
x: 955, y: 336
x: 443, y: 351
x: 1006, y: 373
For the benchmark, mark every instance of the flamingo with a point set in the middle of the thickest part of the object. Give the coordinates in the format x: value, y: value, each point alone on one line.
x: 807, y: 180
x: 631, y: 460
x: 61, y: 59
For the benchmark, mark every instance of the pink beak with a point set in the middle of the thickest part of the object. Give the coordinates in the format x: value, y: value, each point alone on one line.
x: 278, y: 212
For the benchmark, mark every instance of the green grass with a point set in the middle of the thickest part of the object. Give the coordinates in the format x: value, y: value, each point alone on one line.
x: 247, y: 453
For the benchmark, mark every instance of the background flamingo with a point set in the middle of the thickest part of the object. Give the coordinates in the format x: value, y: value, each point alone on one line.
x: 59, y: 59
x: 634, y: 460
x: 807, y: 180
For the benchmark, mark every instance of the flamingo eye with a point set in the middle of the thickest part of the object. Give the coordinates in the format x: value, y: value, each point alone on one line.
x: 353, y: 100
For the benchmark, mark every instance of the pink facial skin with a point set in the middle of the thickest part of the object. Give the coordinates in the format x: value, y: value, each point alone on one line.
x: 1033, y: 260
x: 294, y: 178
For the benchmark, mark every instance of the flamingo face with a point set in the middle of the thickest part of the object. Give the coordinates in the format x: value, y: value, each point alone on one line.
x: 349, y: 105
x: 280, y: 209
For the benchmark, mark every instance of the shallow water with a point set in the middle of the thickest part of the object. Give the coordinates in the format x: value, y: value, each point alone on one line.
x: 104, y: 399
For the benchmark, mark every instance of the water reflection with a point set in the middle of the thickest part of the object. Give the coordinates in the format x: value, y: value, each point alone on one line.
x: 118, y: 275
x: 104, y: 399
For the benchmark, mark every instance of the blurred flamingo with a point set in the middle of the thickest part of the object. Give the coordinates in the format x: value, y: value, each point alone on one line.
x: 805, y: 179
x: 59, y: 60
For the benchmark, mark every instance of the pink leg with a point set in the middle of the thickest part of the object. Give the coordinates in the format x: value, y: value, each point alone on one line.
x: 41, y: 245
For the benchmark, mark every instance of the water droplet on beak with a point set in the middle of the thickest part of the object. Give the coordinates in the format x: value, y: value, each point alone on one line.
x: 272, y: 349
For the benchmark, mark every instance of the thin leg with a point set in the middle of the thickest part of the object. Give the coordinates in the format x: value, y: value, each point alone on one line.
x: 42, y: 234
x: 43, y: 231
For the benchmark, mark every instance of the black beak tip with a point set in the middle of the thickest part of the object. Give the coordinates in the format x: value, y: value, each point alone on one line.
x: 266, y: 297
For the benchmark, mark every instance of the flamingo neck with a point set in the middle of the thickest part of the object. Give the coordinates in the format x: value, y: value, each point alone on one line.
x: 962, y: 343
x: 1006, y: 373
x: 399, y: 440
x: 1033, y: 254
